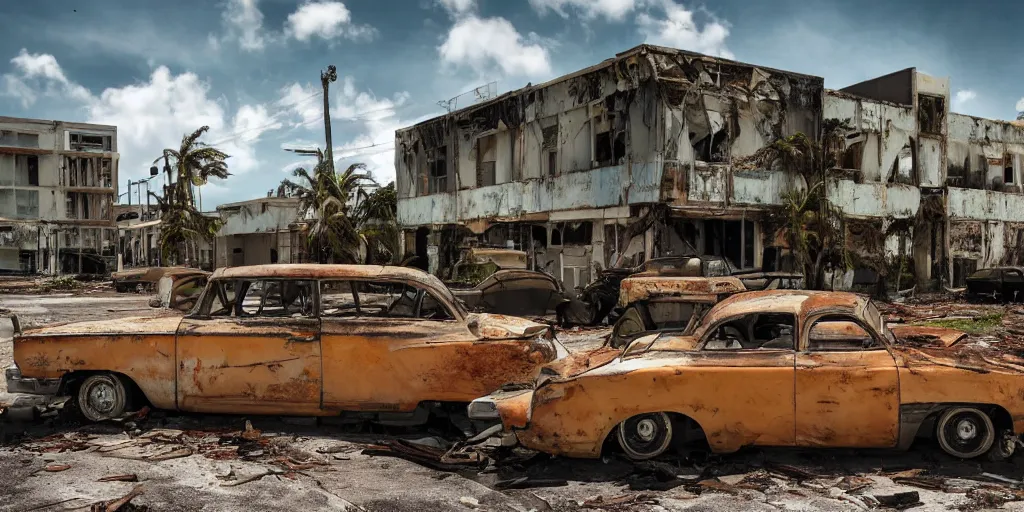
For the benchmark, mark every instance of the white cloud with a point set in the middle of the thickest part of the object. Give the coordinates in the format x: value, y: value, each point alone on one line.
x: 244, y: 23
x: 678, y: 29
x: 457, y: 7
x: 610, y: 9
x: 151, y: 115
x: 1020, y: 105
x: 327, y: 20
x: 305, y: 101
x: 963, y: 96
x: 36, y: 74
x: 488, y: 44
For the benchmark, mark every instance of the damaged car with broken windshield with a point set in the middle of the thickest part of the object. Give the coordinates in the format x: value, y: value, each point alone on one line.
x: 774, y: 368
x: 385, y: 344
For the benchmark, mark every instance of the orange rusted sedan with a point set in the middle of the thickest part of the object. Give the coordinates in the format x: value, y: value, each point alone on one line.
x: 774, y: 368
x: 389, y: 344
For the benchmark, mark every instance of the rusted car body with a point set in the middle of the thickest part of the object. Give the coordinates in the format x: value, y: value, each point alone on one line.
x: 492, y: 280
x: 601, y: 295
x: 659, y: 303
x: 383, y: 343
x: 143, y: 279
x: 1000, y: 283
x: 180, y: 291
x: 775, y: 368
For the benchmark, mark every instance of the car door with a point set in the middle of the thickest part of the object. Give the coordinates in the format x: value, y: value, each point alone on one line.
x: 750, y: 359
x: 389, y: 345
x: 252, y: 347
x: 847, y: 386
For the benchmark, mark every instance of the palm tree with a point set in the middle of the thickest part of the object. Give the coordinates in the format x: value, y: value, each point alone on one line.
x: 332, y: 231
x: 182, y: 224
x: 377, y: 216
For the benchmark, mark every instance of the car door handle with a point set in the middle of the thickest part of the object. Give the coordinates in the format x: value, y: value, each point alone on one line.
x: 303, y: 339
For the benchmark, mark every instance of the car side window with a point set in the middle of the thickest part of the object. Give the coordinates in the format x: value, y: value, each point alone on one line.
x: 756, y: 331
x: 277, y: 298
x: 1012, y: 275
x: 433, y: 309
x: 222, y: 302
x: 839, y: 334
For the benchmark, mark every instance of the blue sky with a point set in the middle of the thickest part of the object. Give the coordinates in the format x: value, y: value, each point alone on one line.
x: 250, y: 68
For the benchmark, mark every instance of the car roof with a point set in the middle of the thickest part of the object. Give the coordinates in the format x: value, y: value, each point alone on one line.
x: 324, y: 271
x: 796, y: 302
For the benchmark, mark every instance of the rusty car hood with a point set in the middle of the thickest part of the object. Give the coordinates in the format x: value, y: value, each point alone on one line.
x: 579, y: 362
x: 936, y: 337
x: 641, y: 287
x: 166, y: 324
x: 498, y: 327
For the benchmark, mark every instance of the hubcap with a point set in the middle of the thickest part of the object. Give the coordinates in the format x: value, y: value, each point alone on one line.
x: 101, y: 397
x: 966, y: 430
x: 646, y: 429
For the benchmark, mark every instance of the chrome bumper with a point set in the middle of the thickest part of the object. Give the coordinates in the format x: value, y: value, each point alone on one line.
x: 18, y: 384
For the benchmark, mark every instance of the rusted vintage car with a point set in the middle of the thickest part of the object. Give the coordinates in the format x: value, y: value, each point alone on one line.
x: 387, y: 344
x: 179, y: 291
x: 498, y: 281
x: 663, y: 303
x: 774, y: 368
x: 146, y: 278
x: 600, y: 296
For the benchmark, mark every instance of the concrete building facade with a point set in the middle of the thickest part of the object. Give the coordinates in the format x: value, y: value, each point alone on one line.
x: 260, y: 231
x: 58, y: 185
x: 654, y: 152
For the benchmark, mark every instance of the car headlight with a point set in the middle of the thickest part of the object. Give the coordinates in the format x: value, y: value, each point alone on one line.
x: 483, y: 409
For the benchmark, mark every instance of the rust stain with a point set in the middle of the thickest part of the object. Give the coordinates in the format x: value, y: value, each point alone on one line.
x: 646, y: 287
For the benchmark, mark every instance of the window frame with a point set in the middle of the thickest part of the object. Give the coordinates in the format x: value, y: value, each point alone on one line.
x: 805, y: 341
x: 421, y: 292
x: 705, y: 336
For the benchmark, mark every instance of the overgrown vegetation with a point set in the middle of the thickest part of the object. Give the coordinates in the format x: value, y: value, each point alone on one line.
x: 813, y: 227
x: 60, y: 284
x: 979, y: 325
x: 182, y: 225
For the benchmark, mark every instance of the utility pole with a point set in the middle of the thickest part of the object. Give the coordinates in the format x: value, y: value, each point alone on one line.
x: 325, y: 80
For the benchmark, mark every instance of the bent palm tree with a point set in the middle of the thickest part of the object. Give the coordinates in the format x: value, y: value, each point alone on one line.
x: 378, y: 224
x: 182, y: 224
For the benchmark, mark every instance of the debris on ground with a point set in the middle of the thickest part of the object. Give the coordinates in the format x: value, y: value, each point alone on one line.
x: 120, y: 503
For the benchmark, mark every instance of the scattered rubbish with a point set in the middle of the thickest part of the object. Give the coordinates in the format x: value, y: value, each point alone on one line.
x: 793, y: 472
x: 714, y: 484
x: 469, y: 501
x: 56, y: 468
x: 250, y: 434
x: 120, y: 478
x: 853, y: 483
x: 115, y: 505
x: 524, y: 482
x: 251, y: 478
x: 624, y: 499
x: 900, y: 500
x: 1003, y: 479
x: 430, y: 457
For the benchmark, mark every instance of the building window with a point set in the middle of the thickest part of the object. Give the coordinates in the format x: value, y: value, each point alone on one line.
x: 27, y: 204
x: 735, y: 240
x: 931, y: 111
x: 19, y: 140
x: 26, y: 170
x: 552, y: 163
x: 438, y: 180
x: 88, y: 142
x: 486, y: 159
x: 579, y: 233
x: 549, y: 145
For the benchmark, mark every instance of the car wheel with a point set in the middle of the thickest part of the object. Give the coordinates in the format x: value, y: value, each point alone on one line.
x: 645, y: 436
x: 1003, y: 447
x: 965, y: 432
x: 102, y: 397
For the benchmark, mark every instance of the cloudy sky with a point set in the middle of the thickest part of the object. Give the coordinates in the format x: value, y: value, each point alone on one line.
x: 250, y: 68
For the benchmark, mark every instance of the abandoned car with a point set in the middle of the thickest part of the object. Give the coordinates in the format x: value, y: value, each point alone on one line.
x: 498, y: 281
x: 1000, y: 283
x: 602, y: 295
x: 386, y: 344
x: 660, y: 303
x: 773, y: 368
x: 146, y: 279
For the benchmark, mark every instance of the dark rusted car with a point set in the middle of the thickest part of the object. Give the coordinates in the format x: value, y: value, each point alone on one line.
x: 146, y: 278
x: 490, y: 280
x: 999, y: 283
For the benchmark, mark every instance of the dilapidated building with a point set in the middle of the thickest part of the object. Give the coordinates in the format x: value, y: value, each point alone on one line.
x: 657, y: 152
x: 260, y: 231
x: 58, y: 183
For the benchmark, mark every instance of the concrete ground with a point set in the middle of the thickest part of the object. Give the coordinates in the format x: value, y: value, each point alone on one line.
x: 207, y: 462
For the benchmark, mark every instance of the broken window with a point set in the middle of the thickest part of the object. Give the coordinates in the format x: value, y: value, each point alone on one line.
x: 556, y: 236
x: 1008, y: 170
x: 931, y: 111
x: 379, y: 299
x: 549, y: 145
x: 838, y: 333
x: 438, y: 179
x: 734, y: 240
x: 579, y: 233
x: 273, y: 298
x: 26, y: 170
x: 27, y: 204
x: 486, y: 159
x: 552, y: 163
x: 221, y: 301
x: 7, y: 170
x: 756, y: 331
x: 603, y: 153
x: 88, y: 142
x: 7, y: 206
x: 20, y: 140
